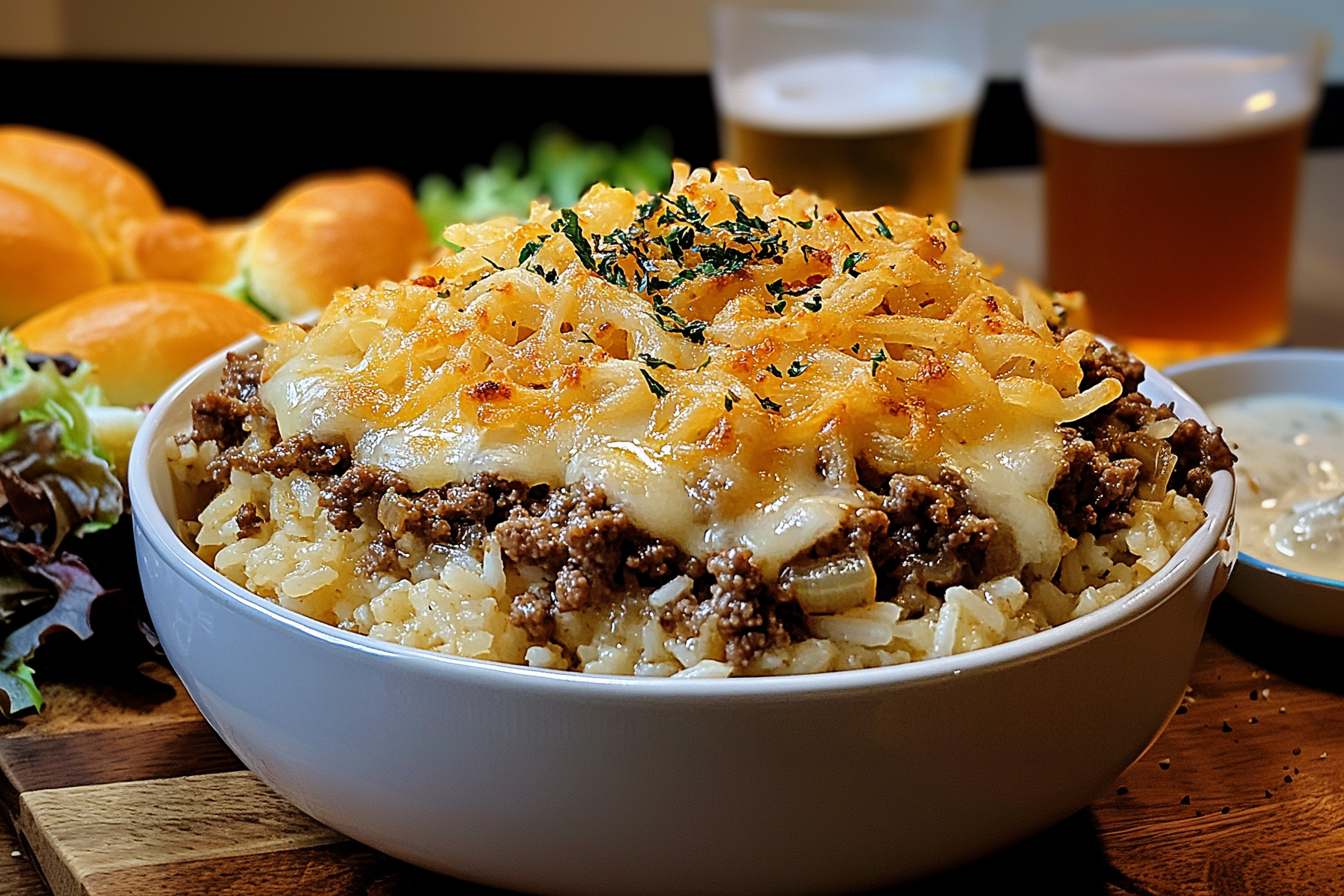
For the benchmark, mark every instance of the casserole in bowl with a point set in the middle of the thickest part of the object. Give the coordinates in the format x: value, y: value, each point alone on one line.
x: 555, y: 781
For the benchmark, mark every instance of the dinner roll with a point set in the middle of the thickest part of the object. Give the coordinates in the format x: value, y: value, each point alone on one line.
x: 98, y: 189
x: 330, y: 232
x: 141, y: 336
x: 180, y: 245
x: 45, y: 257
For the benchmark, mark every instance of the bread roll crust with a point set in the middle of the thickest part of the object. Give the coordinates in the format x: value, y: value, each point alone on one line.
x: 45, y: 257
x: 95, y: 187
x: 331, y: 232
x: 180, y: 245
x: 141, y: 336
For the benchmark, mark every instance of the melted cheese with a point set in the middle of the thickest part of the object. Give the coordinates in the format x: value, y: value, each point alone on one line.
x: 829, y: 345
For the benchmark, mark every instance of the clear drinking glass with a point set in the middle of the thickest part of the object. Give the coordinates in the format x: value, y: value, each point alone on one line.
x: 1172, y: 143
x: 867, y: 105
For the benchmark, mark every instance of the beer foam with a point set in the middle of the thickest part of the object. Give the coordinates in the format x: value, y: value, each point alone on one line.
x: 1169, y: 94
x: 848, y: 93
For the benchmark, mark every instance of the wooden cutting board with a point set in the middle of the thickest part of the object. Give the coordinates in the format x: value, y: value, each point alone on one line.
x: 127, y: 792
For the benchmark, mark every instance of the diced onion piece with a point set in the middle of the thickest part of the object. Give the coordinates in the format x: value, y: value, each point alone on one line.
x: 832, y: 585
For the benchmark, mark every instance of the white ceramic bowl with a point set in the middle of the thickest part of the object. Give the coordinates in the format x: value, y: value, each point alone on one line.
x: 561, y: 782
x: 1303, y: 601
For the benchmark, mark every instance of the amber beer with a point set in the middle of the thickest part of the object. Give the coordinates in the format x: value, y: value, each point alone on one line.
x: 862, y: 132
x: 918, y: 170
x: 1172, y: 144
x: 1182, y: 248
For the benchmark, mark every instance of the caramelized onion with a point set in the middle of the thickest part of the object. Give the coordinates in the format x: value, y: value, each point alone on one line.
x: 832, y: 584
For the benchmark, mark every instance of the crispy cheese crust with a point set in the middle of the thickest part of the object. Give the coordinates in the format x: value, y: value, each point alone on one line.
x: 721, y: 361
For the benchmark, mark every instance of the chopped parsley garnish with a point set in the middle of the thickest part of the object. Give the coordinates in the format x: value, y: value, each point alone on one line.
x: 768, y: 404
x: 852, y: 259
x: 491, y: 262
x: 802, y: 225
x: 878, y: 359
x: 777, y: 307
x: 682, y: 210
x: 743, y: 221
x: 797, y: 368
x: 775, y: 370
x: 677, y: 242
x: 812, y: 304
x: 669, y: 321
x: 849, y: 225
x: 772, y: 247
x: 728, y: 402
x: 657, y: 388
x: 721, y: 260
x: 585, y: 338
x: 777, y: 288
x: 568, y: 224
x: 646, y: 210
x: 609, y: 269
x: 705, y: 363
x: 532, y: 248
x: 695, y: 331
x: 548, y: 275
x: 650, y: 361
x: 882, y: 227
x: 954, y: 226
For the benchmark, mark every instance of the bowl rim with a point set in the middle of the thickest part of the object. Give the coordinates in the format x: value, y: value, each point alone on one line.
x: 1305, y: 578
x: 1286, y: 357
x: 160, y: 535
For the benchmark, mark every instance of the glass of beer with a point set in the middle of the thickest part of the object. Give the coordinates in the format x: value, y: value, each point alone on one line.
x: 1172, y: 143
x: 867, y: 105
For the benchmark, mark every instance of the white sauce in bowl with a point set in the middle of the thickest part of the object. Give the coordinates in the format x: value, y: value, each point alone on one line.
x: 1290, y: 479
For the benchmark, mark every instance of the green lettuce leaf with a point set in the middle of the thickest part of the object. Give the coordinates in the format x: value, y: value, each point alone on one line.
x: 61, y: 449
x: 561, y: 168
x: 60, y: 593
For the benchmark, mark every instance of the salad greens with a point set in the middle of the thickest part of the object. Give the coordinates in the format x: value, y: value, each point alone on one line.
x: 60, y: 449
x: 561, y: 168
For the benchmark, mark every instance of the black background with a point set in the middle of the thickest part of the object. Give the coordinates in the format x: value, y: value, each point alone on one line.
x: 222, y: 139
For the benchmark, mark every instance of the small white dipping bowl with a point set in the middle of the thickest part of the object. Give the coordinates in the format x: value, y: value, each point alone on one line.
x: 560, y: 782
x: 1303, y: 601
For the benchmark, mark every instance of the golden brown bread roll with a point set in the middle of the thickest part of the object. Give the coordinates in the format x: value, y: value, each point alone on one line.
x: 180, y: 245
x: 331, y: 232
x: 45, y: 257
x: 95, y: 187
x: 141, y: 336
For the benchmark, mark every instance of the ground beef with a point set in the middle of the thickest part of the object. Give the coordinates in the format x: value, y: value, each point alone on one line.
x: 443, y: 514
x: 248, y: 520
x: 379, y: 557
x: 654, y: 559
x: 1199, y: 454
x: 216, y: 417
x: 359, y: 485
x: 586, y: 548
x: 931, y: 539
x: 578, y: 538
x: 745, y: 608
x: 305, y: 453
x: 1093, y: 491
x: 1099, y: 363
x: 534, y: 612
x: 1102, y: 469
x: 220, y: 416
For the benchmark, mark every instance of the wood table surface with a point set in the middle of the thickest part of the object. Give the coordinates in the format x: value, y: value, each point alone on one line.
x: 125, y: 790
